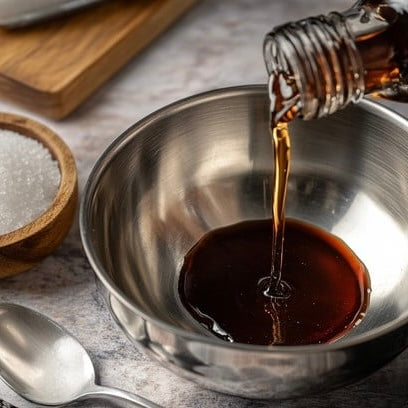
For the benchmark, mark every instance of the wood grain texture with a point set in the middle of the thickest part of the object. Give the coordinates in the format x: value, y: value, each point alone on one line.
x: 23, y: 248
x: 52, y: 67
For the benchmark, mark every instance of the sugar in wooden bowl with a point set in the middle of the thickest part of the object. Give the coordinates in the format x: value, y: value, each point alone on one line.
x: 38, y: 193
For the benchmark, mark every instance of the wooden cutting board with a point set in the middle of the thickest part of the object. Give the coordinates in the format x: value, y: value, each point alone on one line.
x: 52, y: 67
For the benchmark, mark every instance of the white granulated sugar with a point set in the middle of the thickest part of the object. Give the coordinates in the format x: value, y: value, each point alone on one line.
x: 29, y: 180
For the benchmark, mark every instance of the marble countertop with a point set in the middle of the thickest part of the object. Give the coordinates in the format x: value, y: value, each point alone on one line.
x: 217, y: 44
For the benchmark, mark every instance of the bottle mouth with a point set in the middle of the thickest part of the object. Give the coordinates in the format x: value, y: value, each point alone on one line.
x: 320, y: 57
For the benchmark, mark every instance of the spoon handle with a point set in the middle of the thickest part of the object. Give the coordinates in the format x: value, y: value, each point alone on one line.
x: 111, y: 393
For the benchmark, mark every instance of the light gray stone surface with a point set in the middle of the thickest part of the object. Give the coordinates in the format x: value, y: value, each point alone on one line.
x: 217, y: 44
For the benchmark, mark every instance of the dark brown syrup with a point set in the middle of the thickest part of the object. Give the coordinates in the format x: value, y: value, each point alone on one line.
x: 219, y: 285
x: 276, y: 281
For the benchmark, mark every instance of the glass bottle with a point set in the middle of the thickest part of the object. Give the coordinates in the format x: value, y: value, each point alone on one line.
x: 320, y: 64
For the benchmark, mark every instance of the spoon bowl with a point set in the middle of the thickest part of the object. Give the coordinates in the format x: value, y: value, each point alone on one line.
x: 45, y: 364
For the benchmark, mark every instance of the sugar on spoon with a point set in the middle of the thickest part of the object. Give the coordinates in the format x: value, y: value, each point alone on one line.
x: 46, y: 365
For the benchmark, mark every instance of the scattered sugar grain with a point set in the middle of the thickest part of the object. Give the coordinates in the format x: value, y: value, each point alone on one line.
x: 29, y: 180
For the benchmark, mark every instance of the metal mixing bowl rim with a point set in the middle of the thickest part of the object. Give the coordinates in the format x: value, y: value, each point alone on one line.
x: 103, y: 162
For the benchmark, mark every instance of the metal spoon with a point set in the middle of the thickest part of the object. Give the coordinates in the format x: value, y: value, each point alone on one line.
x: 44, y: 364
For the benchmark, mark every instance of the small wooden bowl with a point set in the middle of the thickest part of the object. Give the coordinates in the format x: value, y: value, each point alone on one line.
x: 23, y: 248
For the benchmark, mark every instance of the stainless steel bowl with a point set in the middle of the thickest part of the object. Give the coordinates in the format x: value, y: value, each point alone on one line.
x: 202, y: 163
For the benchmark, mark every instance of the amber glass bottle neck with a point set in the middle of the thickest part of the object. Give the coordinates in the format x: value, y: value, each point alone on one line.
x: 336, y: 59
x: 321, y: 56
